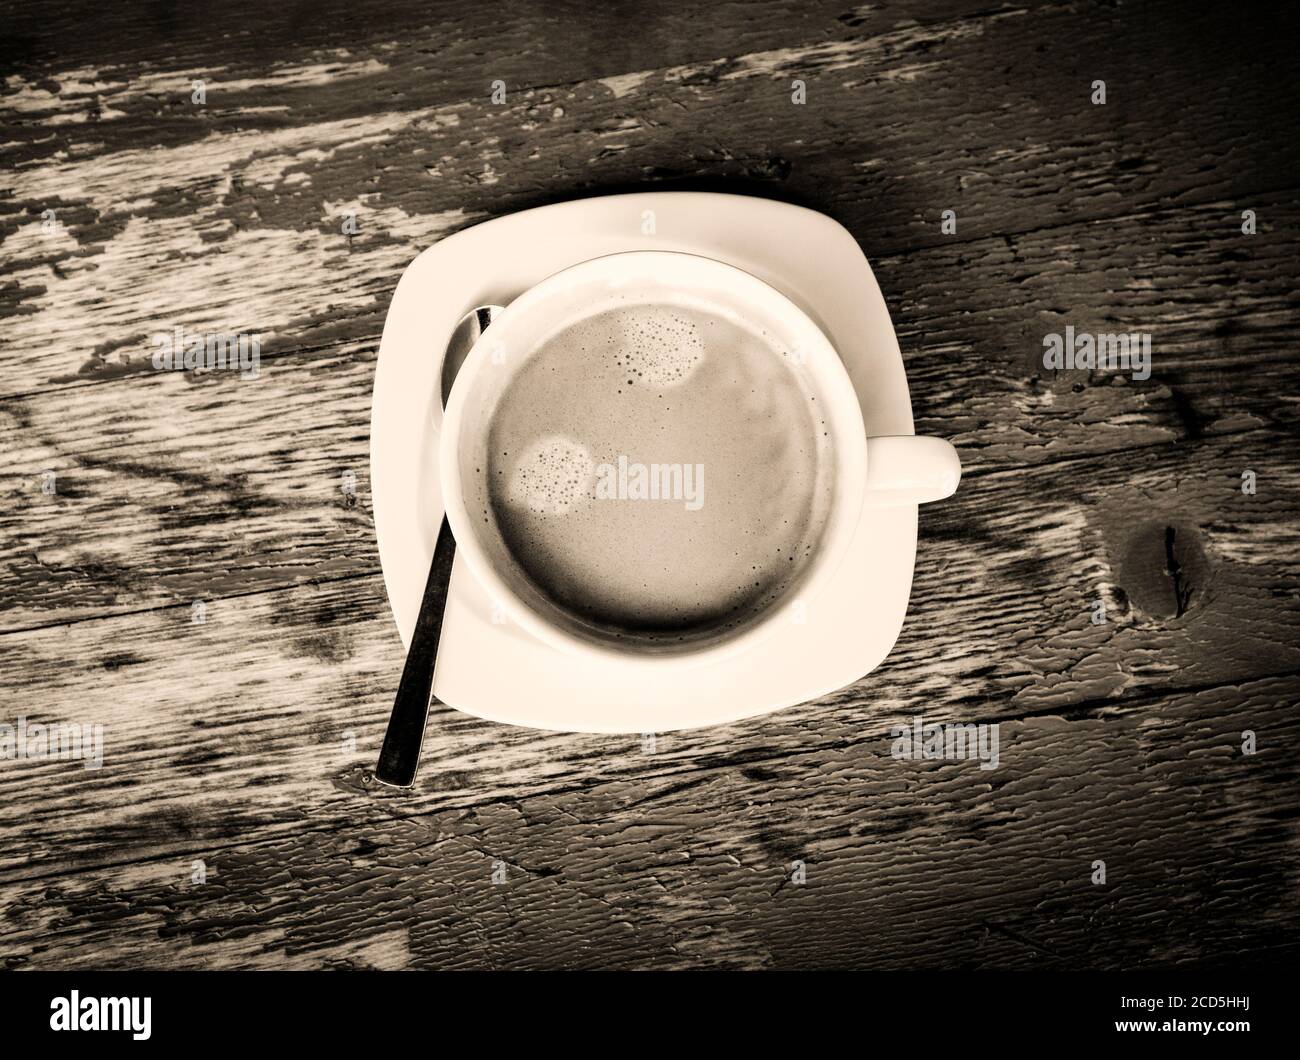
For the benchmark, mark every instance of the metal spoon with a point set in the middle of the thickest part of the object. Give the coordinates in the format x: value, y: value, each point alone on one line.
x: 400, y: 755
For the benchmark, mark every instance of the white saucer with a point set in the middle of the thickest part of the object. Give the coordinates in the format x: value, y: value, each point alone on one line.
x: 495, y: 670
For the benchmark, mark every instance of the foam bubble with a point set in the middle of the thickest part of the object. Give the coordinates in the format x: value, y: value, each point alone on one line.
x: 552, y: 476
x: 657, y: 346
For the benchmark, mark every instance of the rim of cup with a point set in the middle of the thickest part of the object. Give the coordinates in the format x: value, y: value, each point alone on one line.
x: 690, y: 272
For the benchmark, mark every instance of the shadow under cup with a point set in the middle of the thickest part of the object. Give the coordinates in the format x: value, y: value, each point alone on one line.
x: 613, y: 493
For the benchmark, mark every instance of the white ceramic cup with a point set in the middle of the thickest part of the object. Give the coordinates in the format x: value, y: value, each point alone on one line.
x: 866, y: 472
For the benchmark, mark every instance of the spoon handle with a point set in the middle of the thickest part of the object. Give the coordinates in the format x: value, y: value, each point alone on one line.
x: 400, y: 755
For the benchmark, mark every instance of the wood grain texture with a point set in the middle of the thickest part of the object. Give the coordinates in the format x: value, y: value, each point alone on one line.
x: 1000, y: 625
x: 245, y: 742
x: 908, y: 864
x: 205, y: 483
x: 884, y: 145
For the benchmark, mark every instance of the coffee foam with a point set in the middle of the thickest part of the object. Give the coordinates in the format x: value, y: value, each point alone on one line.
x: 665, y: 384
x: 552, y: 476
x: 659, y: 347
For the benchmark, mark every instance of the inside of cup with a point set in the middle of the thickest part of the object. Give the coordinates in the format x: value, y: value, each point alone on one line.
x: 524, y: 534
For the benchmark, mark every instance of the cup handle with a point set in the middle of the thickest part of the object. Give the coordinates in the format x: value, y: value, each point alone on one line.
x: 910, y: 469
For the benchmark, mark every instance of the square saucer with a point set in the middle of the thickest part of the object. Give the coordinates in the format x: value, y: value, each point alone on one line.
x: 492, y: 669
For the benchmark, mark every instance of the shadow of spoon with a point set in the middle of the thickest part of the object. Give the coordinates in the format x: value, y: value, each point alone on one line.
x: 399, y: 758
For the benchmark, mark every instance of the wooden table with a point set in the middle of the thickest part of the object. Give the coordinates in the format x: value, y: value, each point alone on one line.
x: 234, y: 822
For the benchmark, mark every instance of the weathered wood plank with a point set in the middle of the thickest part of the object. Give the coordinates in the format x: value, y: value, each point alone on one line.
x: 628, y: 864
x: 191, y: 488
x: 1199, y: 584
x: 173, y: 486
x: 1220, y: 308
x: 245, y: 741
x: 900, y: 125
x: 124, y: 55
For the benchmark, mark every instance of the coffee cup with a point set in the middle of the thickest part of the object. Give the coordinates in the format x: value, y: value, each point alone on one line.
x: 561, y: 411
